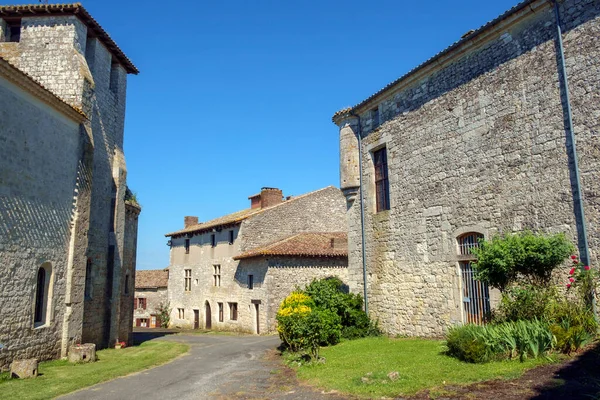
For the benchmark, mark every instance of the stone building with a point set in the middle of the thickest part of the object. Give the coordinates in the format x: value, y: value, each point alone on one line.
x: 150, y: 294
x: 231, y: 273
x: 473, y: 142
x: 68, y: 229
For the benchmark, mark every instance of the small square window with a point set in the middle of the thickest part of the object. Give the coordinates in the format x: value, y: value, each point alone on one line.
x: 14, y: 31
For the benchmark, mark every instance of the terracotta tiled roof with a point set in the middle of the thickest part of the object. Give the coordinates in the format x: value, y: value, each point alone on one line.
x: 447, y: 51
x: 46, y: 10
x: 307, y: 244
x: 234, y: 218
x: 27, y: 82
x: 153, y: 278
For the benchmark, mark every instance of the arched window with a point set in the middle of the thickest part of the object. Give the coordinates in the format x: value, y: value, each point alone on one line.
x: 476, y: 294
x: 42, y: 294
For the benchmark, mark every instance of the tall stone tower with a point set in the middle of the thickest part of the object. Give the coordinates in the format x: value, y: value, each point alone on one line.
x: 63, y: 48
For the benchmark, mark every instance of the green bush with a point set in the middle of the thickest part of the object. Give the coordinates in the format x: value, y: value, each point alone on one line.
x: 510, y: 257
x: 331, y: 294
x: 508, y: 340
x: 526, y: 302
x: 573, y: 325
x: 464, y: 342
x: 292, y: 320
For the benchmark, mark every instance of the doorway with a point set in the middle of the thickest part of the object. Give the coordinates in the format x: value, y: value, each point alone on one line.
x: 196, y: 319
x: 208, y: 324
x: 256, y: 304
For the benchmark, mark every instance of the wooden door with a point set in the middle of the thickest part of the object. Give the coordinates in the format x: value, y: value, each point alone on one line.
x: 208, y: 324
x: 196, y: 319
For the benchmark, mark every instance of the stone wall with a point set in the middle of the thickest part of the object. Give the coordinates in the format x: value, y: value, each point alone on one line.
x: 320, y: 211
x: 40, y: 173
x: 154, y: 297
x: 128, y: 272
x: 58, y: 53
x: 476, y: 144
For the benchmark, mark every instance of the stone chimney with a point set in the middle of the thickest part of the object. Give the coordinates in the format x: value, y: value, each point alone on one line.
x: 189, y: 221
x: 270, y: 197
x: 255, y: 201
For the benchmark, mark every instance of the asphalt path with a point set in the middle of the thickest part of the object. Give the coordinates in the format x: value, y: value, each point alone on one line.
x: 216, y: 366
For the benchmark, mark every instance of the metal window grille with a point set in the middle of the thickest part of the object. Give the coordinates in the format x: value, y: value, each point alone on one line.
x: 382, y: 186
x: 476, y: 296
x: 467, y: 242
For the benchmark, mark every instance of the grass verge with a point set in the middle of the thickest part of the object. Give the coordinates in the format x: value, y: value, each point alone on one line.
x: 60, y: 377
x: 361, y: 367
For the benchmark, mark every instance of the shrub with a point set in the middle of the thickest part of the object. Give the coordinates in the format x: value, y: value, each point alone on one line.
x: 292, y: 320
x: 478, y: 344
x: 164, y: 312
x: 464, y: 343
x: 507, y: 258
x: 526, y: 302
x: 331, y: 294
x: 573, y: 325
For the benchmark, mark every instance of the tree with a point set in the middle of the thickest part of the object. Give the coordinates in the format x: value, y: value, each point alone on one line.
x: 164, y: 311
x: 520, y: 256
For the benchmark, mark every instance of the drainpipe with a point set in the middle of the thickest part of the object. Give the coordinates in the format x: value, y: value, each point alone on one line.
x: 362, y: 212
x: 585, y: 255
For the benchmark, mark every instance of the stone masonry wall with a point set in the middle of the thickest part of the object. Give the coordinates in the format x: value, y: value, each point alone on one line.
x: 38, y: 178
x: 128, y: 273
x: 319, y: 211
x: 478, y: 145
x: 154, y: 297
x: 58, y: 53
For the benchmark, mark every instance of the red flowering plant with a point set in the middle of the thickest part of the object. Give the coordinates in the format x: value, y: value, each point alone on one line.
x: 584, y: 279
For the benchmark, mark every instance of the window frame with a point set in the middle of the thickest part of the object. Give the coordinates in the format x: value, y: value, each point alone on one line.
x: 187, y: 280
x: 233, y: 311
x: 217, y: 275
x: 382, y: 183
x: 220, y: 305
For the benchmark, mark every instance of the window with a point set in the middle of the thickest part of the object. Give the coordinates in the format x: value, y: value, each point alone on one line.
x: 220, y: 312
x: 375, y: 118
x: 213, y: 240
x: 476, y: 294
x: 187, y: 246
x: 87, y: 292
x: 188, y: 280
x: 114, y: 78
x: 250, y: 282
x: 14, y: 31
x: 231, y: 237
x: 43, y: 295
x: 126, y: 284
x: 181, y: 313
x: 233, y: 311
x: 143, y: 322
x: 141, y: 303
x: 382, y: 187
x: 216, y: 275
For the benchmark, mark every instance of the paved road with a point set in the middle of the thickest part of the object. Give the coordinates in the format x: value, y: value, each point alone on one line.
x: 217, y: 367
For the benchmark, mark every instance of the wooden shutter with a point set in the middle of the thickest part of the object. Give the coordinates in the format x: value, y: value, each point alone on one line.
x: 135, y: 303
x: 138, y: 322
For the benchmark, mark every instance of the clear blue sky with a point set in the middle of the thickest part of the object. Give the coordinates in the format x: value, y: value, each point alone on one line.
x: 236, y: 95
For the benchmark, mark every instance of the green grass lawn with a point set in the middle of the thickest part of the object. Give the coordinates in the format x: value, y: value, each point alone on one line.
x: 361, y: 367
x: 60, y: 377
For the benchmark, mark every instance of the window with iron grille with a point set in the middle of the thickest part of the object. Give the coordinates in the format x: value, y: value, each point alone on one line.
x: 188, y: 280
x: 382, y: 186
x: 220, y: 312
x: 216, y: 275
x: 187, y: 246
x: 233, y: 311
x: 476, y: 294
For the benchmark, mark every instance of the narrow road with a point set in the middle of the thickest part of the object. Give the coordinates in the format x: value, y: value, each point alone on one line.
x: 216, y: 367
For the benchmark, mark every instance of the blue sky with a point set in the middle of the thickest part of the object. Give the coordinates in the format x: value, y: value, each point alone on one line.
x: 236, y: 95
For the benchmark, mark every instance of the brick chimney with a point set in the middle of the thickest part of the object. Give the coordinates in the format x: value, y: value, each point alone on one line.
x: 255, y: 201
x: 270, y: 197
x: 189, y: 221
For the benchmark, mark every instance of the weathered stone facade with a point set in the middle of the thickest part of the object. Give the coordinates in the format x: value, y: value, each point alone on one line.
x: 63, y: 183
x: 198, y: 302
x: 476, y: 142
x: 150, y: 293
